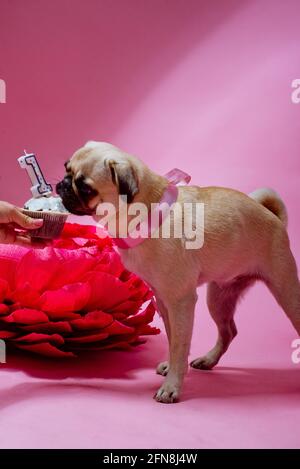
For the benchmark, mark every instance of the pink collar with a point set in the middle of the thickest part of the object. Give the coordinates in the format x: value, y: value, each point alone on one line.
x: 175, y: 176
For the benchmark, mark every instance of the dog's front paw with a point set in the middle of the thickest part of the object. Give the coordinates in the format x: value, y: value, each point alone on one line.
x: 162, y: 368
x: 167, y: 393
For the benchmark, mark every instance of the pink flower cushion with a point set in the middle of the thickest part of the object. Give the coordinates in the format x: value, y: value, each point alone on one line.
x: 75, y: 295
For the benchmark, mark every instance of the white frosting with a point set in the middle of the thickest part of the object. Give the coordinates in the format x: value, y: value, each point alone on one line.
x: 49, y: 204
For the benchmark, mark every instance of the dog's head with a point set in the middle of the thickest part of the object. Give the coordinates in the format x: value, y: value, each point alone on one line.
x: 97, y: 173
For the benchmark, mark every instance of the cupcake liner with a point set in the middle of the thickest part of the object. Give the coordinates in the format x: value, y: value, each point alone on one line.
x: 52, y: 226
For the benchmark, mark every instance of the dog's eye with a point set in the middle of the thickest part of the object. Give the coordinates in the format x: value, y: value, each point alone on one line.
x: 84, y: 189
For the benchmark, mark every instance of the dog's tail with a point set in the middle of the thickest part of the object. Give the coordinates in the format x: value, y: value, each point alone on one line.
x: 271, y: 200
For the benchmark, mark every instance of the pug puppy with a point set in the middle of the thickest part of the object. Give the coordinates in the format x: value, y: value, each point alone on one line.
x: 245, y: 240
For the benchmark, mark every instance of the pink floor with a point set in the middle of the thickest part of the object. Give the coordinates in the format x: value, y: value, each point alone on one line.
x: 251, y: 400
x: 202, y: 85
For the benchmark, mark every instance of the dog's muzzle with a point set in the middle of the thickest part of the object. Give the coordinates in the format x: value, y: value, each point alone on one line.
x: 70, y: 199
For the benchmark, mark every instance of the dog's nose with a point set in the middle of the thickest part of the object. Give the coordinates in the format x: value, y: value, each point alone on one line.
x: 70, y: 200
x: 64, y: 185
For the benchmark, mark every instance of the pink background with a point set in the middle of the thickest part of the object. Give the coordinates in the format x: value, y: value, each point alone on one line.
x: 203, y: 85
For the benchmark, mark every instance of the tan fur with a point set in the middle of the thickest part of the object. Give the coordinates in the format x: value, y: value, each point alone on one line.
x: 244, y: 241
x: 271, y: 201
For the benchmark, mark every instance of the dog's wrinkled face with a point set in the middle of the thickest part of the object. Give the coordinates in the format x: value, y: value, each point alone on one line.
x: 96, y: 173
x: 76, y: 193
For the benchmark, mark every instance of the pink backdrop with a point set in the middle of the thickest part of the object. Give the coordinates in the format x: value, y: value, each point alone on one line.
x: 202, y: 85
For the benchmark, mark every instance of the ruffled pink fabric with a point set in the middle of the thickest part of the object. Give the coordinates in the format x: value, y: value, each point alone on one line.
x: 75, y: 295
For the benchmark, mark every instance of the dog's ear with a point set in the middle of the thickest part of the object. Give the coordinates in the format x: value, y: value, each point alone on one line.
x: 125, y: 178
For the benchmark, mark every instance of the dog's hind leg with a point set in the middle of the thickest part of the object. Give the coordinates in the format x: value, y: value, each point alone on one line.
x: 221, y: 301
x: 282, y: 280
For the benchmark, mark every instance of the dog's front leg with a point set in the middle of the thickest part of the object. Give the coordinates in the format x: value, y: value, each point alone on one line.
x: 163, y: 367
x: 181, y: 316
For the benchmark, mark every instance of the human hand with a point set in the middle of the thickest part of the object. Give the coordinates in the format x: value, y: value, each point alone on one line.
x: 14, y: 225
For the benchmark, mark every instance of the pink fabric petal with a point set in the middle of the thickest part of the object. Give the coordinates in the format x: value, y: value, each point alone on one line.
x: 138, y: 289
x: 146, y: 329
x: 65, y: 244
x: 106, y: 290
x: 68, y: 298
x: 148, y: 295
x: 10, y: 255
x: 27, y: 296
x: 54, y: 339
x: 37, y: 268
x: 138, y: 341
x: 59, y: 327
x: 63, y: 316
x: 7, y: 335
x: 129, y: 307
x: 4, y: 289
x: 119, y: 316
x: 45, y: 349
x: 86, y: 339
x: 111, y: 263
x: 117, y: 328
x: 142, y: 317
x: 72, y: 230
x: 75, y: 292
x: 108, y: 344
x: 4, y: 309
x: 74, y: 264
x: 26, y: 316
x: 93, y: 320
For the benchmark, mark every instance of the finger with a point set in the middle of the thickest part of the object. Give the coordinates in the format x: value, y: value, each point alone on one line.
x: 25, y: 221
x: 16, y: 226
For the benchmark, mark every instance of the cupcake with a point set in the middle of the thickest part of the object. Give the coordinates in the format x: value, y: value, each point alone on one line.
x: 52, y: 211
x: 44, y: 205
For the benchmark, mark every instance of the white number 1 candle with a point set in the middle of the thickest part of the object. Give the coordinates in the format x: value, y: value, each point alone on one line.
x: 39, y: 185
